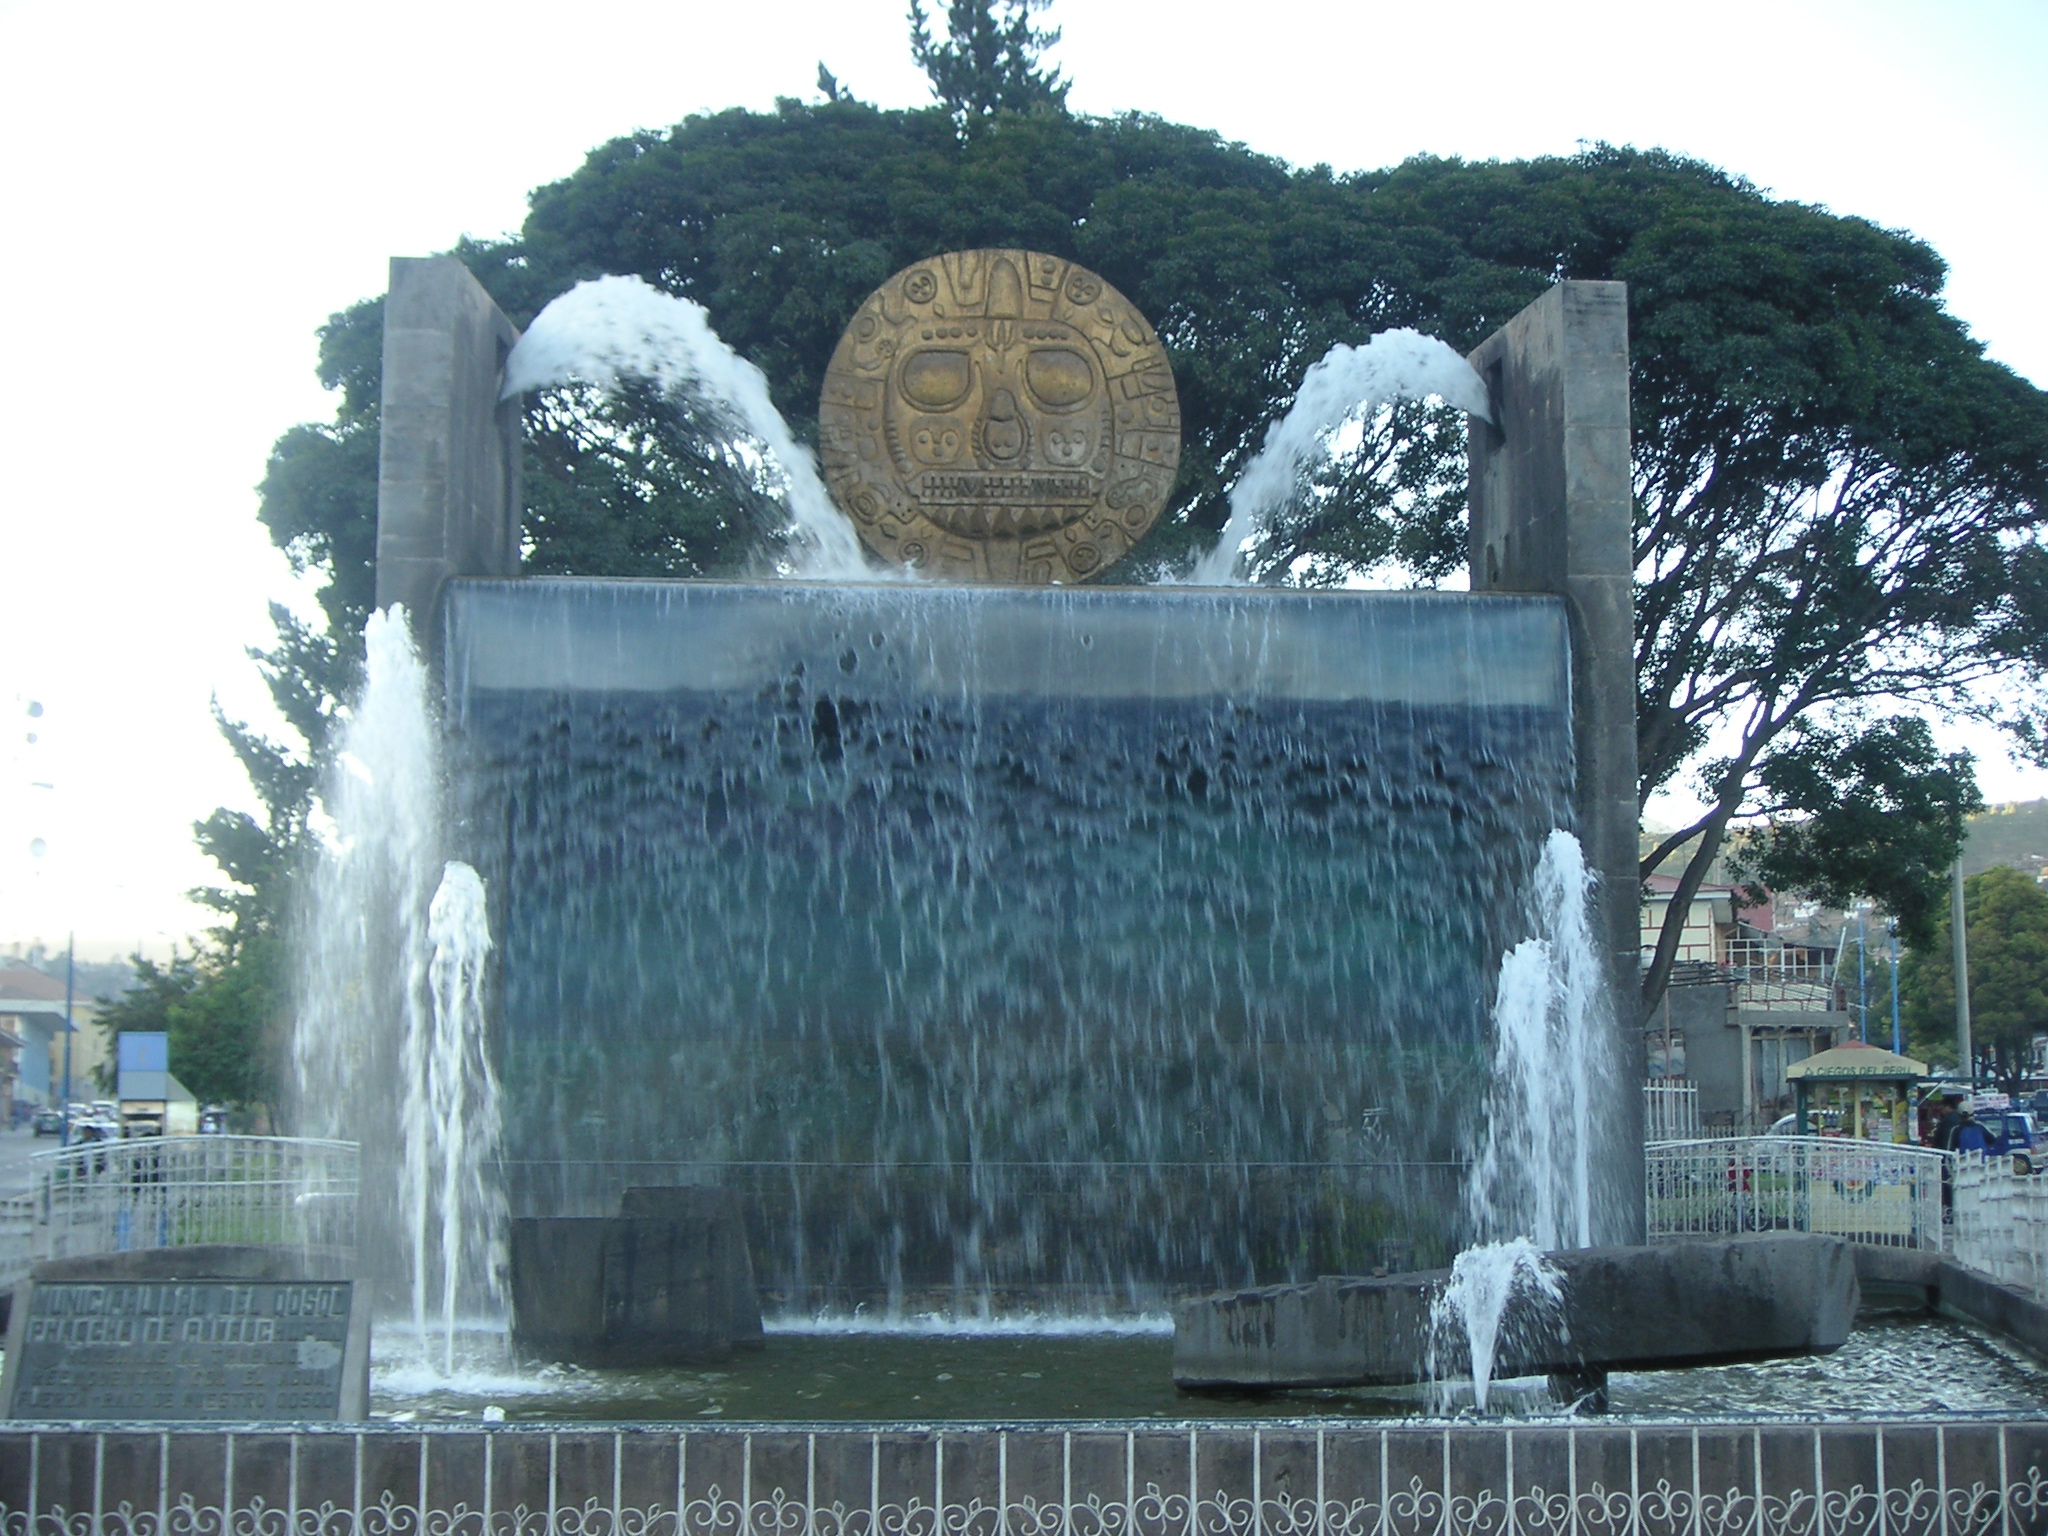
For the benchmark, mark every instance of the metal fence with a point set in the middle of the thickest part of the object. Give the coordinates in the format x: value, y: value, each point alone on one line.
x: 175, y: 1191
x: 1867, y: 1192
x: 1671, y: 1112
x: 17, y: 1238
x: 2001, y: 1222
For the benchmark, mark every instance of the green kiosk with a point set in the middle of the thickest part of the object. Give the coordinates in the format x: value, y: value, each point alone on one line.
x: 1857, y: 1090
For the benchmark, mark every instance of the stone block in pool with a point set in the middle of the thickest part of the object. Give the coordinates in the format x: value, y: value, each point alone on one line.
x: 665, y: 1282
x: 1661, y: 1307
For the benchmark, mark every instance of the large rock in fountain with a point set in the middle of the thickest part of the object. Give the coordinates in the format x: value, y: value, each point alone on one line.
x: 667, y: 1281
x: 1623, y: 1309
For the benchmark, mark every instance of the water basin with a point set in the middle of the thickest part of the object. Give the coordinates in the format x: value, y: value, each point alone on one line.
x: 1889, y: 1366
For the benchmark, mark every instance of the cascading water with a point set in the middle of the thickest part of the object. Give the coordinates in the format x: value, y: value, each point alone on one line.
x: 1532, y: 1188
x: 610, y: 327
x: 1004, y: 950
x: 1394, y: 365
x: 388, y: 1043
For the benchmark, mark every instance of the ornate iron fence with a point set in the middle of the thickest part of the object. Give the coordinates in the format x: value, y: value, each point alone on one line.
x: 1701, y: 1478
x: 1867, y: 1192
x: 174, y: 1191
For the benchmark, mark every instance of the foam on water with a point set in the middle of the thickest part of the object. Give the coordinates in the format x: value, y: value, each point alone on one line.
x: 1399, y: 364
x: 611, y: 327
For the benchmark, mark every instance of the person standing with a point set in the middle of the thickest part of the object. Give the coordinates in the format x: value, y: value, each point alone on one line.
x: 1969, y: 1136
x: 1950, y: 1122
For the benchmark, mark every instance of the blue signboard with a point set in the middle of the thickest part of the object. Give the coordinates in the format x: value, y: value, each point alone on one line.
x: 144, y: 1062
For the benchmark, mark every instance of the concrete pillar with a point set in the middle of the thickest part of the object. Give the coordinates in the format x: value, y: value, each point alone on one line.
x: 1552, y: 511
x: 449, y: 456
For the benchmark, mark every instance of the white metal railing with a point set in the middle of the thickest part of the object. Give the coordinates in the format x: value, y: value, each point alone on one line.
x: 1867, y: 1192
x: 2001, y: 1222
x: 175, y: 1191
x: 1671, y: 1112
x: 17, y: 1238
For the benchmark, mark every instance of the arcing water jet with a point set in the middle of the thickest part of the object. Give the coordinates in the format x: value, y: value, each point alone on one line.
x: 1394, y: 365
x: 624, y: 326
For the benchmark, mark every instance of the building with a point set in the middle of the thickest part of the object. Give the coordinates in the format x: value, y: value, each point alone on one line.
x: 1744, y: 1004
x: 32, y: 1010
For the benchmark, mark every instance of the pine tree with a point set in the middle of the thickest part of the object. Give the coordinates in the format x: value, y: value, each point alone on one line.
x: 991, y: 59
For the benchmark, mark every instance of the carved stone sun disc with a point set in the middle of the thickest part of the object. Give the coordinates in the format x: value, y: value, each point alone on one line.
x: 1000, y: 415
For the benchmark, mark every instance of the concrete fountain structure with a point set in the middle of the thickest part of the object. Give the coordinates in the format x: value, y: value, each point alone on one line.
x: 1027, y: 948
x: 1021, y: 946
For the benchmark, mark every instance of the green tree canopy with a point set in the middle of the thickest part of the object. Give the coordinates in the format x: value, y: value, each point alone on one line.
x: 1839, y: 498
x: 2006, y: 916
x: 1876, y: 813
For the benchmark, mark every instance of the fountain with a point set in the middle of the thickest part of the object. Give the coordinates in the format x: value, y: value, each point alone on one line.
x: 1000, y: 949
x: 1014, y: 960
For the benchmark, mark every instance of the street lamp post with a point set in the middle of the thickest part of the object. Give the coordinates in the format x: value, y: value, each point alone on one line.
x: 1959, y: 921
x: 70, y: 972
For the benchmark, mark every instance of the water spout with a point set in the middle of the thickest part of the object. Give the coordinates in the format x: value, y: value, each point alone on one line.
x: 1394, y: 365
x: 453, y: 1115
x: 389, y: 1047
x: 611, y: 327
x: 1486, y: 1280
x: 1531, y: 1189
x: 1551, y: 1018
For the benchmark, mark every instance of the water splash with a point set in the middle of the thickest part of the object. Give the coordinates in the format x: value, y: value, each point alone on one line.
x: 1394, y: 365
x: 388, y: 1041
x: 610, y: 327
x: 453, y: 1117
x: 1473, y: 1307
x: 1531, y: 1190
x: 1534, y: 1175
x: 362, y: 957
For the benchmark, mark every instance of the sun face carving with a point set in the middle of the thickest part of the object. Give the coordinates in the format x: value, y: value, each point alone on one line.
x: 1000, y: 415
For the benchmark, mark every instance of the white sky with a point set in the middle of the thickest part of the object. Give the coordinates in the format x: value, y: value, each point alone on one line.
x: 195, y: 187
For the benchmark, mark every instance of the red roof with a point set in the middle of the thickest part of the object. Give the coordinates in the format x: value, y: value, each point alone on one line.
x: 26, y: 982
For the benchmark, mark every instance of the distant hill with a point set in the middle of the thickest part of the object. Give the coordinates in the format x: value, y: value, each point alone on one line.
x: 2015, y: 834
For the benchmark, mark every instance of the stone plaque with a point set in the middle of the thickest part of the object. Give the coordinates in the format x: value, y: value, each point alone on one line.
x: 1000, y: 415
x: 187, y: 1349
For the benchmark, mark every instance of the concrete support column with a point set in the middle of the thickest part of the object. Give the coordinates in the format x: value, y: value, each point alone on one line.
x: 449, y: 456
x: 1552, y: 511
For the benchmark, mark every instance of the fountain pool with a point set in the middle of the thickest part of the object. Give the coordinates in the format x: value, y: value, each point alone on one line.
x: 1891, y: 1365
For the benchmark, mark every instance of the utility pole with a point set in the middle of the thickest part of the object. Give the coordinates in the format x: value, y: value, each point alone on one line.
x: 1958, y: 921
x: 1898, y: 1039
x: 1862, y: 977
x: 70, y: 971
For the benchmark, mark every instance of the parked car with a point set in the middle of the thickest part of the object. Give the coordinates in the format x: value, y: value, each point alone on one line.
x: 2022, y: 1136
x: 49, y: 1122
